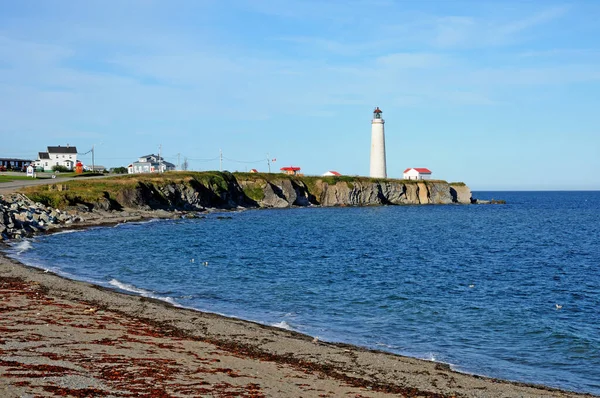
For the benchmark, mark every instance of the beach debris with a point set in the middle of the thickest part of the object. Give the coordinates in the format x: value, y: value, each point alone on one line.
x: 91, y: 310
x: 315, y: 340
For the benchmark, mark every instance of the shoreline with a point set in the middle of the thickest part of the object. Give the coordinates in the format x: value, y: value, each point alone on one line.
x: 347, y: 369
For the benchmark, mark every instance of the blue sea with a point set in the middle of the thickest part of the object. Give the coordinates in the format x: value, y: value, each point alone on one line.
x: 508, y: 291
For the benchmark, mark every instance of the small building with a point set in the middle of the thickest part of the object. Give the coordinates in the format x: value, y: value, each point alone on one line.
x: 331, y: 173
x: 95, y: 168
x: 253, y: 171
x: 291, y: 170
x: 150, y: 164
x: 14, y: 164
x: 65, y: 156
x: 417, y: 173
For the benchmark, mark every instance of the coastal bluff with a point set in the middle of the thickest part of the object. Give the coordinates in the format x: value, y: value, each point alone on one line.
x: 81, y: 202
x: 198, y: 191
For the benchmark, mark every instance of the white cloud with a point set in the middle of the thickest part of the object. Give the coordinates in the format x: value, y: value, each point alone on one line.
x: 539, y: 18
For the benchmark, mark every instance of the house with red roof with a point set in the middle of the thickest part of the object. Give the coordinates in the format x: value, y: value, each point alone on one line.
x: 291, y: 170
x: 416, y: 173
x: 331, y: 173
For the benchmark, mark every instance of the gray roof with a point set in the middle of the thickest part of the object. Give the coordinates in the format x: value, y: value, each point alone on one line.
x: 14, y: 160
x: 43, y: 155
x: 62, y: 149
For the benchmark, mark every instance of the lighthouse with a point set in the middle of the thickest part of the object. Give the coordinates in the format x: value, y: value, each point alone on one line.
x: 378, y: 168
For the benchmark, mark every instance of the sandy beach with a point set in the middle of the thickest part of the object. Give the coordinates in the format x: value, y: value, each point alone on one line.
x: 67, y: 338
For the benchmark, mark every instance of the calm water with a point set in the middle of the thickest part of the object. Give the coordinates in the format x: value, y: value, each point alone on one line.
x: 473, y: 286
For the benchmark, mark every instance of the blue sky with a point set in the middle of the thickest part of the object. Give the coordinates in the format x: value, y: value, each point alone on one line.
x: 500, y: 94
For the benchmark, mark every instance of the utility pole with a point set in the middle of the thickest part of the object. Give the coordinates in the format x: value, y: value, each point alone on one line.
x: 93, y: 168
x: 269, y: 162
x: 159, y: 158
x: 220, y: 160
x: 178, y: 164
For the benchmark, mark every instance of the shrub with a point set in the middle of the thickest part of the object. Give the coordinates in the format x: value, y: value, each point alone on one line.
x: 61, y: 169
x: 120, y: 170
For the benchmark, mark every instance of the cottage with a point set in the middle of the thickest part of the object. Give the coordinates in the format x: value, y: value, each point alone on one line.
x: 253, y: 171
x: 416, y: 173
x: 150, y: 164
x: 331, y: 173
x: 292, y: 170
x: 65, y: 156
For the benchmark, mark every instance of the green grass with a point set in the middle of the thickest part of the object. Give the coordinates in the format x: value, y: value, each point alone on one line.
x: 256, y: 192
x: 76, y: 191
x: 4, y: 178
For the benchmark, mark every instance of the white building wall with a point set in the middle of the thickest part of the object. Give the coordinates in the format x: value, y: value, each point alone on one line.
x: 378, y: 166
x: 413, y: 174
x: 57, y: 159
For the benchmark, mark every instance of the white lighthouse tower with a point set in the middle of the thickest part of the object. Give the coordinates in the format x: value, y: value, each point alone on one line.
x: 378, y: 168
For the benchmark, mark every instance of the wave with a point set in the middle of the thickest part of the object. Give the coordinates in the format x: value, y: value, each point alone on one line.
x: 282, y: 325
x: 67, y: 231
x: 21, y: 247
x: 142, y: 292
x: 129, y: 288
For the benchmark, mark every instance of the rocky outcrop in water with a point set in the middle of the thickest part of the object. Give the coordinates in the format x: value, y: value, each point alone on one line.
x: 21, y: 217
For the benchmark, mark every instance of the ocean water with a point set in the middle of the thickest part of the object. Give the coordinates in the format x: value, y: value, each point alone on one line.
x: 473, y: 286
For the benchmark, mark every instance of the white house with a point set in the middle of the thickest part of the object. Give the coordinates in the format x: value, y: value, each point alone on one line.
x: 57, y: 156
x: 150, y: 164
x: 417, y: 173
x: 331, y: 173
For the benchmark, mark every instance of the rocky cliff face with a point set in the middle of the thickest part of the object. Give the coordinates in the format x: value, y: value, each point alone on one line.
x: 361, y: 192
x: 21, y: 216
x: 198, y: 191
x: 285, y: 192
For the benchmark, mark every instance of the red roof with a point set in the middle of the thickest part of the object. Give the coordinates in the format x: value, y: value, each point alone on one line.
x: 291, y: 168
x: 335, y: 173
x: 421, y: 170
x: 377, y: 110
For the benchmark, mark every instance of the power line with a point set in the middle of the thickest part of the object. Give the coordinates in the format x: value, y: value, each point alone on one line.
x: 243, y: 161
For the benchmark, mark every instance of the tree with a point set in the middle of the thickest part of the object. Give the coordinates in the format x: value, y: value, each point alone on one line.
x: 120, y: 170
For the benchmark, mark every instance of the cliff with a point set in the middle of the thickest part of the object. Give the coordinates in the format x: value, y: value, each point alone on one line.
x: 201, y: 190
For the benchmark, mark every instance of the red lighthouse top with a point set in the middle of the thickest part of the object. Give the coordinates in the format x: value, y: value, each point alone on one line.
x: 377, y: 113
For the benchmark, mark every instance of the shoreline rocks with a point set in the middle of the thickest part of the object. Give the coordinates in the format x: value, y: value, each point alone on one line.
x: 21, y: 217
